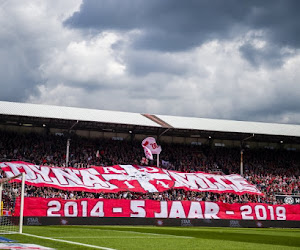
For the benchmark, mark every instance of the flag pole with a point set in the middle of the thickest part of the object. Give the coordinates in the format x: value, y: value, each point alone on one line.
x: 157, y: 160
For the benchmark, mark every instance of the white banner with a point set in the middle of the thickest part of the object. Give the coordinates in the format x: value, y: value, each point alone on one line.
x: 132, y: 178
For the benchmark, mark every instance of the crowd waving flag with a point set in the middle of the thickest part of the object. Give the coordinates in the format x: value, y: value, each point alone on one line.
x: 133, y: 178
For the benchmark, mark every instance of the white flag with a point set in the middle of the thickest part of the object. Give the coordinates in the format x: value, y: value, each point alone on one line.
x: 151, y: 144
x: 148, y: 153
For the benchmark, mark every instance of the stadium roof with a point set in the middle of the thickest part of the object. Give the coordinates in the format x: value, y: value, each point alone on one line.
x: 231, y: 126
x: 71, y: 113
x: 90, y: 119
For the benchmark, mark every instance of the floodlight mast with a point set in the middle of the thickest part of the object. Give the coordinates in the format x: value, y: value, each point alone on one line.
x: 68, y: 144
x: 241, y: 163
x: 68, y: 152
x: 242, y: 154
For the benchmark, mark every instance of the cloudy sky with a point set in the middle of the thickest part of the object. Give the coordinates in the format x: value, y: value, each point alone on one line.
x: 213, y: 59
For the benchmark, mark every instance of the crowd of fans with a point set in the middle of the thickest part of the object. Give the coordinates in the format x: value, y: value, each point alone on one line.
x: 272, y: 171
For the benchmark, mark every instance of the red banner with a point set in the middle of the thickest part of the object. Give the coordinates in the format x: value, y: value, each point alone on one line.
x: 131, y: 178
x: 157, y: 209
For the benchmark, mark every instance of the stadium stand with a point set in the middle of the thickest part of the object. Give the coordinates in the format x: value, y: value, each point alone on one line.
x: 39, y: 133
x: 273, y: 171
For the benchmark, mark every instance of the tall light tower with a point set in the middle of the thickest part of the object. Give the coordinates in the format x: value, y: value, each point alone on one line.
x: 241, y: 162
x: 68, y: 152
x: 242, y: 155
x: 68, y: 144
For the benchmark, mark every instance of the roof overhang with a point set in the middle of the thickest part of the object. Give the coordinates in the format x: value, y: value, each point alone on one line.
x: 24, y: 114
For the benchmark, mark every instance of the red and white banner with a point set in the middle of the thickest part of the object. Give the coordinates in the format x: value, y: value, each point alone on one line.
x: 131, y: 178
x: 157, y: 209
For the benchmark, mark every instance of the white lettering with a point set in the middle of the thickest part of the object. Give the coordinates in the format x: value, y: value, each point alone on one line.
x: 162, y: 183
x: 192, y: 181
x: 202, y: 181
x: 281, y: 213
x: 137, y: 207
x: 220, y: 182
x: 53, y: 206
x: 90, y: 179
x: 181, y: 180
x: 211, y: 210
x: 97, y: 210
x: 149, y: 170
x: 14, y: 168
x: 84, y: 208
x: 260, y: 212
x: 177, y: 210
x: 110, y: 170
x: 240, y: 184
x: 128, y: 185
x: 246, y: 210
x: 42, y: 173
x: 163, y: 210
x: 66, y: 176
x: 271, y: 209
x: 70, y: 209
x: 195, y: 211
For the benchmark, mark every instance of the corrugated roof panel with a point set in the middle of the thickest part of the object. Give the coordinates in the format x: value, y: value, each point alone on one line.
x: 71, y: 113
x: 231, y: 126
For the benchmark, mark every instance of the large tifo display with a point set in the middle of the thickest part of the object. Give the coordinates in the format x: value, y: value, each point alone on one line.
x: 127, y: 178
x: 52, y: 207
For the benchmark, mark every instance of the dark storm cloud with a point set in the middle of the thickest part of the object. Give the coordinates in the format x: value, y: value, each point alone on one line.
x: 142, y: 64
x: 18, y: 67
x: 280, y: 19
x: 179, y: 25
x: 167, y: 25
x: 145, y: 56
x: 271, y: 56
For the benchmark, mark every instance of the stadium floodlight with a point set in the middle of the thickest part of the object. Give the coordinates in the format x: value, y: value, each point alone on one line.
x: 68, y: 143
x: 242, y: 153
x: 12, y: 204
x: 68, y: 152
